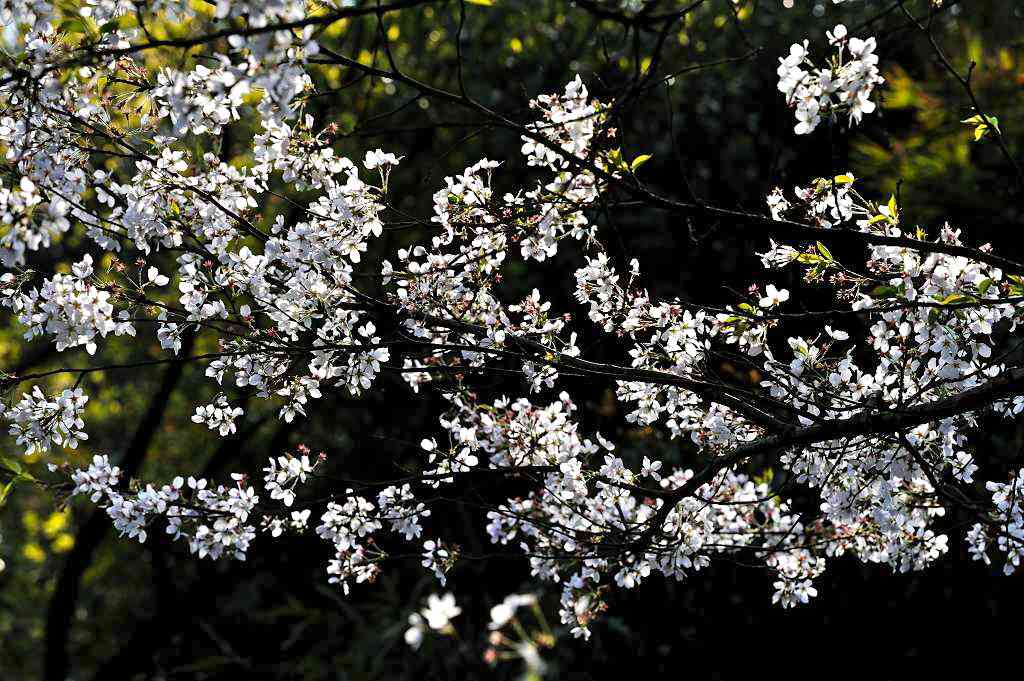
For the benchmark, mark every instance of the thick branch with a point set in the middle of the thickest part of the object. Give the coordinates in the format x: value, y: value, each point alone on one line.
x: 865, y: 423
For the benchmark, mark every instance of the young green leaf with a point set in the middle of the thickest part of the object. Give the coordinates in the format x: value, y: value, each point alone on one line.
x: 639, y: 161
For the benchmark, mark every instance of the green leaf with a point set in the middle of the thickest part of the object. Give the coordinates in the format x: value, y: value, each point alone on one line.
x: 5, y: 490
x: 615, y: 158
x: 884, y: 292
x: 766, y: 477
x: 639, y: 161
x: 72, y: 26
x: 11, y: 464
x: 825, y: 252
x: 1017, y: 285
x: 983, y: 125
x: 984, y: 286
x: 129, y: 20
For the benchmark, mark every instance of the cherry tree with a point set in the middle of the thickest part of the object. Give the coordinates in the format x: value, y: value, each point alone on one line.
x: 869, y: 405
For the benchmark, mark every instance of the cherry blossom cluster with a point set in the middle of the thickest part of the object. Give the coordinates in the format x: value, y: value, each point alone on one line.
x: 933, y: 334
x: 38, y: 420
x: 350, y: 524
x: 213, y: 521
x: 462, y: 266
x: 845, y: 85
x: 219, y: 416
x: 513, y: 637
x: 29, y: 223
x: 286, y: 472
x: 510, y: 637
x: 601, y: 513
x: 70, y: 307
x: 437, y: 616
x: 1005, y: 524
x: 203, y: 100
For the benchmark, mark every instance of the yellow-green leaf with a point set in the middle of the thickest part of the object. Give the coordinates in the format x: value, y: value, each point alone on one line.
x: 639, y: 161
x: 765, y: 478
x: 884, y: 291
x: 72, y: 26
x: 11, y: 464
x: 983, y: 125
x: 4, y: 491
x: 615, y: 158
